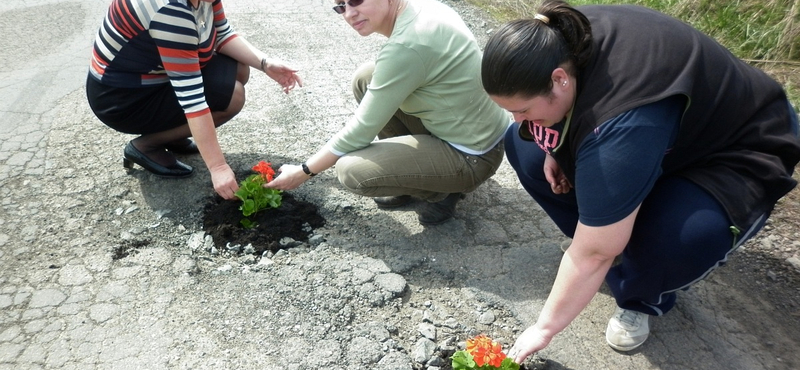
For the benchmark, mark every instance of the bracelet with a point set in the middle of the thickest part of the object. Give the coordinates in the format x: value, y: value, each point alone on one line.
x: 263, y: 63
x: 308, y: 171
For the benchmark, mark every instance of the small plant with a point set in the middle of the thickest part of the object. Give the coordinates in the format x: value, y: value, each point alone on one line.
x: 482, y: 353
x: 254, y: 196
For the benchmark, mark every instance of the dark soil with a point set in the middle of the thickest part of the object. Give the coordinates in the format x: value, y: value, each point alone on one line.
x: 294, y: 219
x: 128, y: 248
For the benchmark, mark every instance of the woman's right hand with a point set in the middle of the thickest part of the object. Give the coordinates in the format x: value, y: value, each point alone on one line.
x: 224, y: 181
x: 531, y: 341
x: 289, y: 177
x: 557, y: 179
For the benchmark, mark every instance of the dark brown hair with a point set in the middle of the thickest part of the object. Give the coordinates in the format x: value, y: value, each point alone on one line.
x: 521, y: 56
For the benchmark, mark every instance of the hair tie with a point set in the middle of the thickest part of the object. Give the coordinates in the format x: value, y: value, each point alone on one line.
x: 542, y: 18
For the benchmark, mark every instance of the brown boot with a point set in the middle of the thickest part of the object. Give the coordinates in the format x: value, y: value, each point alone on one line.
x: 441, y: 211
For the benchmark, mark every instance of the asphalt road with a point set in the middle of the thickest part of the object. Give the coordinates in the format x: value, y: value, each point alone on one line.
x: 66, y: 202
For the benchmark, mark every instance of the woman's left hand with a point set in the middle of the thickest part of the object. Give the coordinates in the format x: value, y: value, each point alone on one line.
x: 283, y: 75
x: 291, y: 177
x: 555, y: 176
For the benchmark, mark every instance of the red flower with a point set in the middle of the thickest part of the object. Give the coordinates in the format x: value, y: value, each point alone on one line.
x: 266, y: 171
x: 485, y: 351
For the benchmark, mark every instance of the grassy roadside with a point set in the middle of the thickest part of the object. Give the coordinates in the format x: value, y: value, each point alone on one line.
x: 766, y: 33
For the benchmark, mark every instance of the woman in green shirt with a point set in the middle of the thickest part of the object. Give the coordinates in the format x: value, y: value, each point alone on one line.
x: 439, y: 134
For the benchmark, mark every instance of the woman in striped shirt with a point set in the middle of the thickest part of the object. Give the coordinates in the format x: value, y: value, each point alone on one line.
x: 168, y: 70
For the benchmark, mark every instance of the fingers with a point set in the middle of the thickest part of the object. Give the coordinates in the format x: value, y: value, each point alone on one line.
x: 521, y: 356
x: 224, y: 182
x: 227, y: 193
x: 282, y: 184
x: 290, y: 82
x: 529, y: 342
x: 279, y: 182
x: 513, y: 353
x: 227, y: 190
x: 517, y: 355
x: 555, y: 188
x: 290, y: 177
x: 284, y: 76
x: 560, y: 186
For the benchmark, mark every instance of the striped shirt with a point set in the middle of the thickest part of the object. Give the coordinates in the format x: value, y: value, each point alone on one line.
x: 148, y: 42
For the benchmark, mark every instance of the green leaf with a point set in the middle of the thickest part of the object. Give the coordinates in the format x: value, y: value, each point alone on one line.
x: 242, y: 194
x: 251, y: 188
x: 463, y: 361
x: 247, y: 223
x: 509, y: 364
x: 248, y: 207
x: 255, y: 197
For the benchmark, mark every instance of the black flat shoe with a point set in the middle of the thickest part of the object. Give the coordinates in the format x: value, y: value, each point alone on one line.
x: 132, y: 155
x: 183, y: 146
x: 393, y: 202
x: 441, y: 211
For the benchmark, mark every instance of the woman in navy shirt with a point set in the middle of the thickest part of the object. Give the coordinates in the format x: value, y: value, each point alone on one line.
x: 641, y: 138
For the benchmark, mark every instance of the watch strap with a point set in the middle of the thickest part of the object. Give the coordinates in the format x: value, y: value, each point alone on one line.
x: 308, y: 171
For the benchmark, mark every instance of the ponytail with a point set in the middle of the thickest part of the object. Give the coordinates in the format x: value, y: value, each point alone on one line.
x: 521, y: 56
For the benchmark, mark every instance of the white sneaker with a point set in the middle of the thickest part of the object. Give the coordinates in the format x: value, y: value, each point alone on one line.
x: 627, y: 329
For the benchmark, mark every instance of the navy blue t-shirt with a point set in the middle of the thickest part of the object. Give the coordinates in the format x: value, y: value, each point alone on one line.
x: 620, y: 161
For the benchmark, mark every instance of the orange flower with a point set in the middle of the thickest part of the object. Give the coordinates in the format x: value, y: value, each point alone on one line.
x: 485, y: 351
x: 265, y: 169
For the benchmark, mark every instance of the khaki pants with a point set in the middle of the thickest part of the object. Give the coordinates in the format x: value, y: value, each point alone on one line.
x: 408, y: 160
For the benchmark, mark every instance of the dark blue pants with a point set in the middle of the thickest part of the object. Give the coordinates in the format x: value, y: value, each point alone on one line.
x: 681, y: 232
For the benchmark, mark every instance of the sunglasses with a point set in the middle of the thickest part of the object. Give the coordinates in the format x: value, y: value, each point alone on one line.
x: 340, y: 7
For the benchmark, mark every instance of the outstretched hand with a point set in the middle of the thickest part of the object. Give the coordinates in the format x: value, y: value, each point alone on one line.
x: 282, y: 74
x: 531, y: 341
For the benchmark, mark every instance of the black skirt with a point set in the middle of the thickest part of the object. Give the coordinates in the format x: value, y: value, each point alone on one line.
x: 151, y: 109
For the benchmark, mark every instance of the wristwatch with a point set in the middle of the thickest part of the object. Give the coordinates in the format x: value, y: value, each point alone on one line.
x: 307, y: 171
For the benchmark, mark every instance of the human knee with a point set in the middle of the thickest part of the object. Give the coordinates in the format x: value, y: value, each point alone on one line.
x: 361, y: 79
x: 237, y: 99
x: 242, y: 73
x: 345, y: 171
x: 234, y: 107
x: 358, y: 176
x: 510, y: 140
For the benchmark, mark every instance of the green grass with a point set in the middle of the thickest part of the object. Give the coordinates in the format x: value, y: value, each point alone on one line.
x: 751, y: 29
x: 765, y: 33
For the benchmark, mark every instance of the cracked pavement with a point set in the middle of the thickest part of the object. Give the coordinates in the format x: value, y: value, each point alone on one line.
x: 66, y: 205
